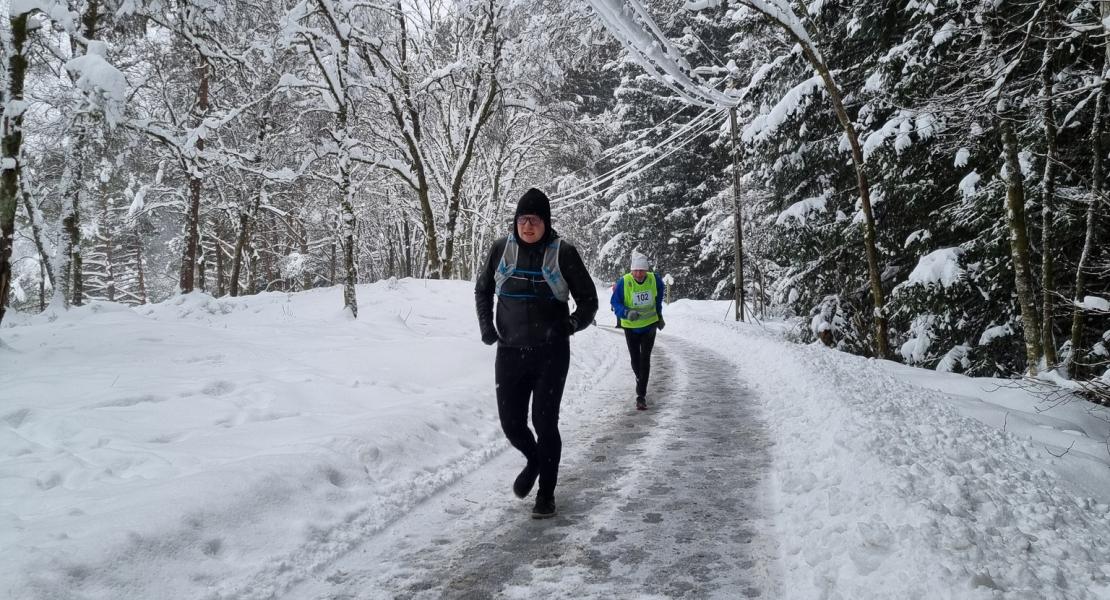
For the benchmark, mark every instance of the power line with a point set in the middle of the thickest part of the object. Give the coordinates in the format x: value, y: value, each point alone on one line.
x: 616, y: 148
x: 635, y: 29
x: 693, y: 123
x: 708, y: 125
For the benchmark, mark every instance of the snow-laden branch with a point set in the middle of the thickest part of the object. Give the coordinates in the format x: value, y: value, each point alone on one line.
x: 439, y: 74
x: 634, y: 28
x: 782, y: 13
x: 57, y: 10
x: 104, y: 86
x: 764, y: 125
x: 779, y: 11
x: 1007, y: 72
x: 198, y: 32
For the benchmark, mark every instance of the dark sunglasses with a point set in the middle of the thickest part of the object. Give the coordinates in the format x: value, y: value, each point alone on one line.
x: 529, y: 220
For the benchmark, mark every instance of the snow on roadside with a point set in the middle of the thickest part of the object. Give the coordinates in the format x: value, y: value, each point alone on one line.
x: 229, y: 448
x: 887, y: 489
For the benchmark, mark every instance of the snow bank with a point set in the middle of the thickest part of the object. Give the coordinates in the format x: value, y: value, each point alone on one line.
x: 171, y: 450
x: 227, y: 448
x: 886, y: 488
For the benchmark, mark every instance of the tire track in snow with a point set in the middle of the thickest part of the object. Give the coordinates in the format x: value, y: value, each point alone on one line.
x: 667, y: 502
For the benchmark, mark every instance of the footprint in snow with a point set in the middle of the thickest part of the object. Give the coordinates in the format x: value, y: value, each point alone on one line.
x: 218, y: 388
x: 212, y: 547
x: 132, y: 401
x: 16, y: 418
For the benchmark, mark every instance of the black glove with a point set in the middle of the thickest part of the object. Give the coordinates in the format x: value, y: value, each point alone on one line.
x: 489, y: 338
x: 571, y: 325
x: 661, y: 324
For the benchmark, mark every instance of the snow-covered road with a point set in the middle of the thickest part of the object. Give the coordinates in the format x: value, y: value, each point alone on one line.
x: 270, y: 447
x: 666, y: 503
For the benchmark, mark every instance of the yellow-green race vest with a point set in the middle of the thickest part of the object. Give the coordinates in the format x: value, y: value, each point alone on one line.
x: 640, y: 297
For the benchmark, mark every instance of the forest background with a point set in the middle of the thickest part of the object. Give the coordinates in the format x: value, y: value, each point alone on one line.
x: 158, y: 147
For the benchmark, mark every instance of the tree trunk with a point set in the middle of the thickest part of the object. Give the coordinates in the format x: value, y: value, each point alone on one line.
x: 201, y: 282
x: 391, y: 253
x: 869, y: 231
x: 432, y: 262
x: 406, y: 116
x: 346, y: 193
x: 406, y: 246
x: 248, y: 214
x: 42, y: 286
x: 493, y: 206
x: 479, y: 112
x: 1019, y: 245
x: 237, y: 257
x: 253, y: 267
x: 108, y: 240
x: 243, y: 240
x: 1048, y: 287
x: 1097, y: 181
x: 34, y: 215
x: 334, y: 263
x: 306, y: 275
x: 339, y: 89
x: 220, y: 267
x: 71, y: 266
x: 143, y: 299
x: 11, y: 142
x: 427, y: 219
x: 763, y: 297
x: 192, y: 211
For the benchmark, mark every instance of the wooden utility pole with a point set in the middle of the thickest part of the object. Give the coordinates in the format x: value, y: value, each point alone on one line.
x: 739, y: 237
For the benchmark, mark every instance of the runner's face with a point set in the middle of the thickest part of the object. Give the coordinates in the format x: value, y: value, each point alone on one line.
x: 639, y: 275
x: 529, y: 228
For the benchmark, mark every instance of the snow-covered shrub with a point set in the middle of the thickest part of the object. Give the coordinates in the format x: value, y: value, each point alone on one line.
x: 938, y: 322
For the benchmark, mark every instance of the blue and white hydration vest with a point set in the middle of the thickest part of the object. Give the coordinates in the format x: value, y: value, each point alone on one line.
x: 507, y: 268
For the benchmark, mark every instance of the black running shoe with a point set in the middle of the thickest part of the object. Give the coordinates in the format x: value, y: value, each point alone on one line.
x: 524, y: 482
x: 545, y: 507
x: 641, y: 403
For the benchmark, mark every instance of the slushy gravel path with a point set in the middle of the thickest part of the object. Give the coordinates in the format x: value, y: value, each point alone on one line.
x: 665, y: 503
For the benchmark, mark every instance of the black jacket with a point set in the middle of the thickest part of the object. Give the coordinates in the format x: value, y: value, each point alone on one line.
x: 542, y: 319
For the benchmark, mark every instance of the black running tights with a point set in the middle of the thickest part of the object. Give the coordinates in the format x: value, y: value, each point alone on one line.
x: 639, y: 350
x: 537, y: 373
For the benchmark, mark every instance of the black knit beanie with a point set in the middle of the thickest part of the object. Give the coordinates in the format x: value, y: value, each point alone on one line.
x: 535, y: 202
